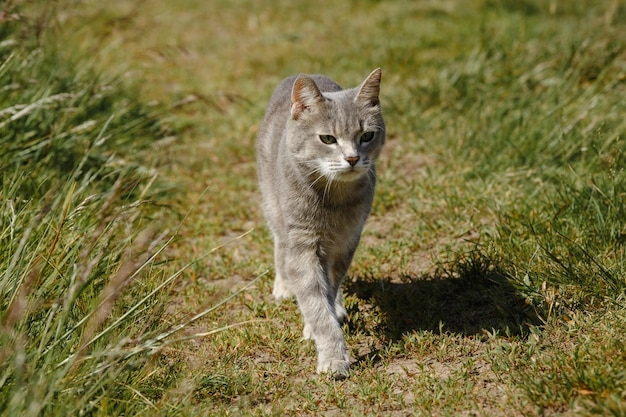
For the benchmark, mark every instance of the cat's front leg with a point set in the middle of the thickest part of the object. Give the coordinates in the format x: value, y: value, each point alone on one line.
x: 317, y: 303
x: 340, y: 313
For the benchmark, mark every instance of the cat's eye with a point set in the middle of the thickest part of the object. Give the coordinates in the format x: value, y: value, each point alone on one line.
x: 367, y: 137
x: 328, y: 139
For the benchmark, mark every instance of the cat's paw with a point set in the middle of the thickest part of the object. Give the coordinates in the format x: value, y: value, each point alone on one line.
x: 335, y: 368
x: 336, y: 364
x: 280, y: 291
x: 307, y: 332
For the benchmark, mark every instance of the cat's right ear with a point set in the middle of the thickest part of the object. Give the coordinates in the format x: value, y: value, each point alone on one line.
x: 304, y: 96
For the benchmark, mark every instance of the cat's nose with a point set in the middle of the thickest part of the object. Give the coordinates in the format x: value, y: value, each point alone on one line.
x: 352, y: 160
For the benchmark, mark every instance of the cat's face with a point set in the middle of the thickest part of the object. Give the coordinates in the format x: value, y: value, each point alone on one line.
x: 336, y: 136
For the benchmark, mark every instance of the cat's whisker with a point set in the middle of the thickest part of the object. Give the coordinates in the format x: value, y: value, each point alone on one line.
x: 314, y: 182
x: 327, y: 188
x: 317, y: 169
x: 312, y: 172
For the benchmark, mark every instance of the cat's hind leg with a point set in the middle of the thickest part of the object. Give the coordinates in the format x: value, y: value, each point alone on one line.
x: 338, y: 272
x: 281, y: 289
x: 340, y: 310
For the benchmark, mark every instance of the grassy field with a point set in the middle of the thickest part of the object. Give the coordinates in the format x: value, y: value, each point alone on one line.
x: 136, y: 266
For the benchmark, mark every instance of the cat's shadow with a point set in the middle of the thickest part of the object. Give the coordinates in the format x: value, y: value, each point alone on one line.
x: 472, y: 298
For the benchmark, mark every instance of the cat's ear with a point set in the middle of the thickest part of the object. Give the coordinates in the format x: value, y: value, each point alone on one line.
x: 369, y: 90
x: 304, y: 96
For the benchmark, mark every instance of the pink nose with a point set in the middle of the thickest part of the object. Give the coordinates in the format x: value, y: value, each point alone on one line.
x: 352, y: 160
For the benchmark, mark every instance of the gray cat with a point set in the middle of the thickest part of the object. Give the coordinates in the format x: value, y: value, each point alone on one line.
x: 316, y: 150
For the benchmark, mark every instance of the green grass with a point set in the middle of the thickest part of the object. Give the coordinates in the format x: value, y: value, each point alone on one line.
x: 78, y: 242
x: 491, y: 275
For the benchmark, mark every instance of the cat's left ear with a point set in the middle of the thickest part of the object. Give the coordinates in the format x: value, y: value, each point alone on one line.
x: 369, y: 89
x: 304, y: 95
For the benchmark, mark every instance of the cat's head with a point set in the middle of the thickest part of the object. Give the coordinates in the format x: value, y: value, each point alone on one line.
x: 335, y: 136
